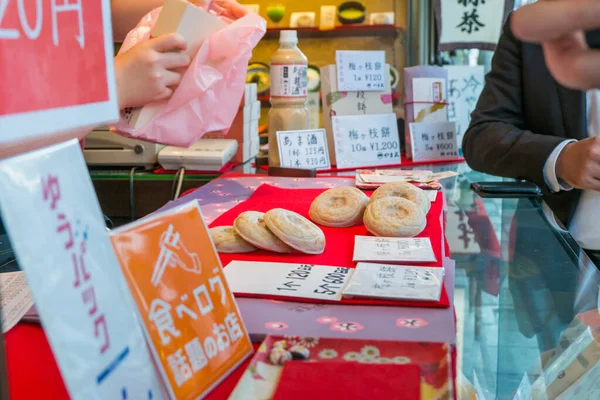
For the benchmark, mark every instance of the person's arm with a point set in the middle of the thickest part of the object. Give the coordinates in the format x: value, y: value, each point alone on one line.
x: 497, y: 141
x: 559, y: 26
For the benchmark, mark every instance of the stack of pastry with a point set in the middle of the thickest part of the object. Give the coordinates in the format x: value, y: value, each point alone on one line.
x: 278, y: 230
x: 396, y: 209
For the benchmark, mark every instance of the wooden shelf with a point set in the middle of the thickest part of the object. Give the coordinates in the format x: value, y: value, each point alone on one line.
x: 355, y: 30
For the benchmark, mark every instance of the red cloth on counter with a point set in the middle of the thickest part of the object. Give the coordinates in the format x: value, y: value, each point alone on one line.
x: 33, y: 372
x: 340, y: 241
x: 348, y: 380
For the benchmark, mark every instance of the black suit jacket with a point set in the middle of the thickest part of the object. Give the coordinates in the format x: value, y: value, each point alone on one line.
x: 521, y: 116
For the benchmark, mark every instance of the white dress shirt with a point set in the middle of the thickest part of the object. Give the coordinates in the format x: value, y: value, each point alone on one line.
x: 584, y: 226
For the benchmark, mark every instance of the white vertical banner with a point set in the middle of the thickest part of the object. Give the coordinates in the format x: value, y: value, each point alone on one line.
x: 465, y: 85
x: 466, y: 24
x: 53, y: 219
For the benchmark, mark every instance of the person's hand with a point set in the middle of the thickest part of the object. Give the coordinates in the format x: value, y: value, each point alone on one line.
x: 579, y: 164
x: 559, y: 25
x: 149, y: 71
x: 227, y: 9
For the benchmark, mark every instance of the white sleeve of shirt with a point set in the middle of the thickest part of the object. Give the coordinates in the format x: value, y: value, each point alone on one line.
x: 550, y: 177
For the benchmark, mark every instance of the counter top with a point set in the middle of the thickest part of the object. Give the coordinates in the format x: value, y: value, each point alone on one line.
x: 520, y: 282
x: 525, y: 294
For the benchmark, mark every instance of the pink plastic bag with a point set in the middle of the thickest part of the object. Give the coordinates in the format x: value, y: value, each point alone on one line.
x: 211, y: 90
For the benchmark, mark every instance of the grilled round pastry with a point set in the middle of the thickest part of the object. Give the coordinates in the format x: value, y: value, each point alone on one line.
x: 251, y: 226
x: 394, y: 217
x: 404, y: 190
x: 296, y: 231
x: 339, y: 207
x: 228, y: 241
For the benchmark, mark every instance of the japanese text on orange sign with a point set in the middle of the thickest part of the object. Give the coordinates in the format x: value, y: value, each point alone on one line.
x: 181, y: 292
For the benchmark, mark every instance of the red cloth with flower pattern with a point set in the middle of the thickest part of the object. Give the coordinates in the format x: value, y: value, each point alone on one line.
x: 434, y: 362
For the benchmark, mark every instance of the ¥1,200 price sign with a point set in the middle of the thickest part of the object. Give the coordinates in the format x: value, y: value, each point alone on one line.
x: 360, y: 70
x: 433, y: 141
x: 366, y: 140
x: 303, y: 149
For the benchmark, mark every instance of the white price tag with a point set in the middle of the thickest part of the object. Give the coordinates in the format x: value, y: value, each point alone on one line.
x: 396, y: 282
x: 433, y: 141
x: 304, y: 149
x: 366, y: 140
x: 288, y: 280
x: 360, y: 70
x: 369, y: 248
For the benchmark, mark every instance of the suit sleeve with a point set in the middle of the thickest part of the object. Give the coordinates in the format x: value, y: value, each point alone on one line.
x: 497, y: 141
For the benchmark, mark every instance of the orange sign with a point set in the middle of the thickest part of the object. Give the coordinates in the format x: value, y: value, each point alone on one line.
x: 190, y: 316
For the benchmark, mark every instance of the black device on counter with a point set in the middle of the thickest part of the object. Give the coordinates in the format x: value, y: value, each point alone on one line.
x: 506, y: 189
x: 593, y: 39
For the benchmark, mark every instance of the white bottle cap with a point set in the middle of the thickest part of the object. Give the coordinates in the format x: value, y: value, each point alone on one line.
x: 290, y: 37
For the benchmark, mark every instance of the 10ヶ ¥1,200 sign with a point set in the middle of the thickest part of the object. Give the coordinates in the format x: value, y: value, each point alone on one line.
x: 366, y: 140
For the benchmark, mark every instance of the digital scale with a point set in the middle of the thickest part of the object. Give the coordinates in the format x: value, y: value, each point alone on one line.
x: 108, y: 149
x: 105, y: 148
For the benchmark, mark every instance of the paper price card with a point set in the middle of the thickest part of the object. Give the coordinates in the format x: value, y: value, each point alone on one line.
x: 369, y: 248
x: 360, y: 70
x: 288, y: 280
x: 304, y: 149
x: 366, y: 140
x: 75, y: 88
x: 396, y: 282
x: 433, y: 141
x: 53, y: 218
x: 190, y: 317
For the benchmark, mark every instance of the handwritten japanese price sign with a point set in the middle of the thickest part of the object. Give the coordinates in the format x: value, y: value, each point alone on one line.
x: 470, y: 23
x: 433, y: 141
x: 459, y: 233
x: 464, y: 87
x: 305, y: 149
x: 57, y: 229
x: 288, y: 280
x: 366, y: 140
x: 190, y: 316
x: 360, y: 70
x: 57, y: 71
